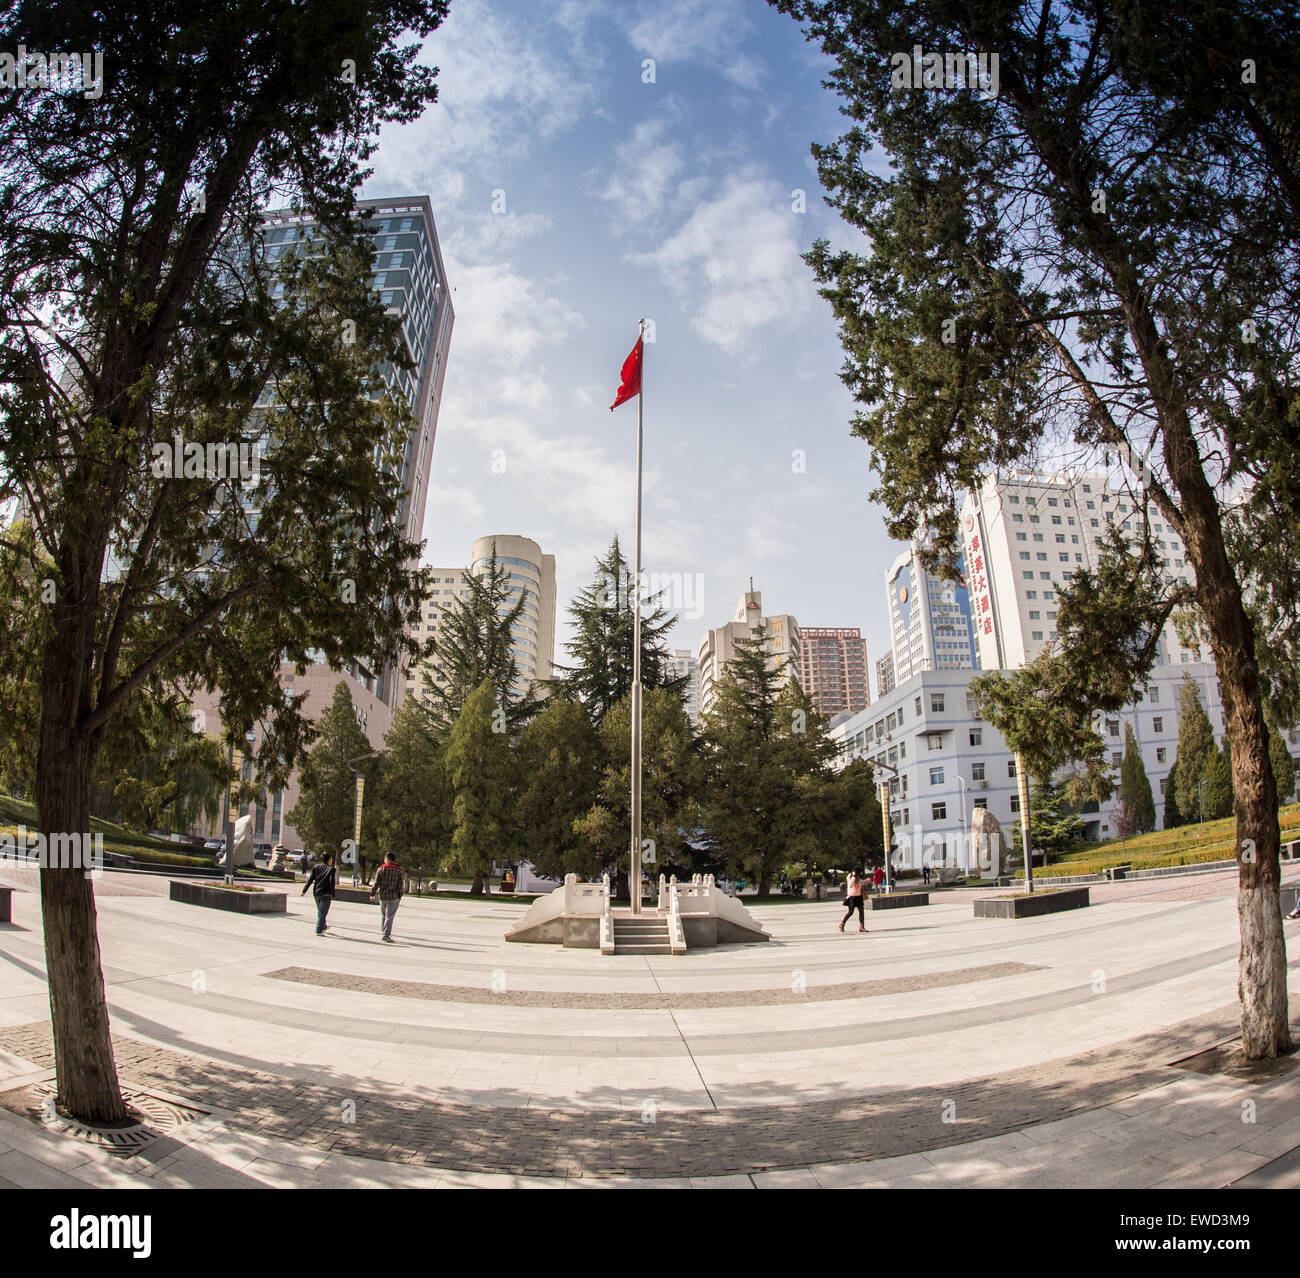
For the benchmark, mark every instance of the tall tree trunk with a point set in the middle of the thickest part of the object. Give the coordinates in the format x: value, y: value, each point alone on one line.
x: 83, y: 1050
x: 477, y: 888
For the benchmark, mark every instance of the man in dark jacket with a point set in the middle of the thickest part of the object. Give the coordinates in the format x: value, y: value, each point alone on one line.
x: 321, y: 880
x: 388, y: 889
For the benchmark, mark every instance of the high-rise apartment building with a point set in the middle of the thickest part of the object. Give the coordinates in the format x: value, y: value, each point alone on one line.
x: 719, y: 646
x: 885, y: 674
x: 929, y: 618
x: 833, y: 668
x: 411, y: 280
x: 1026, y: 535
x: 681, y: 663
x: 529, y: 572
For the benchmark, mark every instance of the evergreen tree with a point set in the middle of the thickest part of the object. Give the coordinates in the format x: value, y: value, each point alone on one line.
x: 1021, y: 285
x: 1195, y: 743
x: 474, y: 645
x: 325, y: 813
x: 1054, y: 827
x: 859, y: 836
x: 1135, y: 787
x: 561, y: 762
x: 669, y: 769
x: 767, y: 764
x: 1216, y: 785
x: 1173, y: 814
x: 603, y: 635
x: 1283, y: 766
x: 410, y: 811
x: 481, y: 767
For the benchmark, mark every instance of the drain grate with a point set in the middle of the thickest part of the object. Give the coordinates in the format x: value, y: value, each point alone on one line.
x: 159, y: 1118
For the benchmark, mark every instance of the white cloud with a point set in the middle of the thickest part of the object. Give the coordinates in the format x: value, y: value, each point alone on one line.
x: 646, y: 167
x: 708, y: 32
x: 735, y: 264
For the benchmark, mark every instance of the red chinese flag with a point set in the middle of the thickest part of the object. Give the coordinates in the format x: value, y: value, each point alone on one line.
x: 631, y: 375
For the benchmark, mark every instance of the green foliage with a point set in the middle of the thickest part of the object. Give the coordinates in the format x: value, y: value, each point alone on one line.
x: 668, y: 791
x: 768, y: 771
x: 1135, y: 787
x: 482, y: 770
x: 1173, y: 814
x: 474, y: 646
x: 603, y: 636
x: 1216, y: 785
x: 855, y: 805
x: 1195, y: 744
x: 560, y: 768
x: 409, y: 808
x: 1054, y: 827
x: 325, y: 813
x: 1283, y: 766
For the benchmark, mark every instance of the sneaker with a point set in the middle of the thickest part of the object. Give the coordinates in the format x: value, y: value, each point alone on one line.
x: 1295, y: 914
x: 388, y: 940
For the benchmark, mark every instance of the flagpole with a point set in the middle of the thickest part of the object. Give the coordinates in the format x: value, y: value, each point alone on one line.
x: 634, y: 876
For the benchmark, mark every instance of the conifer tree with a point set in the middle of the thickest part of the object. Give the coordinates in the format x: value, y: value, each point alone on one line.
x: 1173, y: 814
x: 324, y: 814
x: 1283, y: 766
x: 1216, y: 785
x: 1195, y: 743
x: 481, y: 767
x: 410, y: 813
x: 604, y: 630
x: 1135, y: 786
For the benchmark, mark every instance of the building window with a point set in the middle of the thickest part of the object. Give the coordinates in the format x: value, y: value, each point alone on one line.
x: 1038, y: 634
x: 917, y: 706
x: 1153, y: 694
x: 1116, y: 758
x: 1158, y: 723
x: 936, y: 776
x: 1011, y: 768
x: 977, y: 771
x: 938, y: 811
x: 1024, y: 554
x: 936, y: 703
x: 1161, y: 752
x: 1015, y: 804
x: 977, y: 736
x: 972, y: 706
x: 1112, y: 726
x: 980, y: 803
x: 936, y: 741
x: 1034, y: 616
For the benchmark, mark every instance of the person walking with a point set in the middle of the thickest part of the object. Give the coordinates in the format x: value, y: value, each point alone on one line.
x: 322, y: 880
x: 853, y: 899
x: 877, y: 877
x: 387, y: 889
x: 925, y: 874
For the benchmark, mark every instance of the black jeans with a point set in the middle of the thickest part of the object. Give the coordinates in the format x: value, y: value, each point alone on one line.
x: 323, y: 904
x: 854, y: 903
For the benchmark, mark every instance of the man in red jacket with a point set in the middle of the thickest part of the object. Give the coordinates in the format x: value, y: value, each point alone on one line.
x: 388, y: 889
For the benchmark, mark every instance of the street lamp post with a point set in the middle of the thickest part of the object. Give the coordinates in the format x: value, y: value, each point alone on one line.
x: 965, y: 828
x: 357, y: 797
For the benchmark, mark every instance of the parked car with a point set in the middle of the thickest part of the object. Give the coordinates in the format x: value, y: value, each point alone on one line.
x: 215, y: 845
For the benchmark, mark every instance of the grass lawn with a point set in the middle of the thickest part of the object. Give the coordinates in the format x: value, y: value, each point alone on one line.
x: 1183, y: 845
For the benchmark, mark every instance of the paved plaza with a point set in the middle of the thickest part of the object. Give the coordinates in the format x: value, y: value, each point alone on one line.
x: 936, y: 1050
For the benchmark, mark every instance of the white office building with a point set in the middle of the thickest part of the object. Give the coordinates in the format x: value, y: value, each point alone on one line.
x: 719, y: 645
x: 930, y: 620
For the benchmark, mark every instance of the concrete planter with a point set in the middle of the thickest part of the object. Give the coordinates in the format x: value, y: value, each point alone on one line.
x: 1029, y: 907
x: 359, y: 896
x: 217, y: 898
x: 897, y: 900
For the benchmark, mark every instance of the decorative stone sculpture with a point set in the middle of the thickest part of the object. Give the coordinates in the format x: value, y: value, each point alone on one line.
x: 989, y: 841
x: 279, y: 858
x: 244, y: 841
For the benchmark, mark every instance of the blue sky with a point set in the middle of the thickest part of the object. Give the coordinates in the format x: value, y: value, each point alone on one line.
x: 674, y: 200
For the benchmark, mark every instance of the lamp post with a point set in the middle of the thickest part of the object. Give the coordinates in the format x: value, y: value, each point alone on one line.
x: 884, y: 813
x: 232, y: 811
x: 965, y: 829
x: 357, y: 799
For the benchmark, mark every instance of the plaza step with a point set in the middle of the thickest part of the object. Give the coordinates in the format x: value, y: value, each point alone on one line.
x: 644, y: 935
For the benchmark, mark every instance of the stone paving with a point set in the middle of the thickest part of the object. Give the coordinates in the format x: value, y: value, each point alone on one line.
x: 936, y: 1050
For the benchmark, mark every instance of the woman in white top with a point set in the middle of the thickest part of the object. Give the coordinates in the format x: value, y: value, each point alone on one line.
x: 853, y: 899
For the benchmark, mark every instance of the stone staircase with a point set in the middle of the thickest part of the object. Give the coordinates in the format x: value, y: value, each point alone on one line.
x: 641, y: 934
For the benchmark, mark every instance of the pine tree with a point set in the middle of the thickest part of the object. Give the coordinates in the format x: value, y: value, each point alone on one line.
x: 1054, y: 828
x: 1135, y: 786
x: 767, y: 765
x: 1195, y: 742
x: 474, y: 646
x: 561, y: 762
x: 325, y: 813
x: 1283, y: 766
x: 1216, y: 785
x: 481, y: 767
x: 670, y: 771
x: 410, y: 813
x: 859, y: 830
x: 604, y: 631
x: 1173, y: 814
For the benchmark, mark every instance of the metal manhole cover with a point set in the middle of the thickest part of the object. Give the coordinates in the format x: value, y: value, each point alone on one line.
x: 160, y: 1118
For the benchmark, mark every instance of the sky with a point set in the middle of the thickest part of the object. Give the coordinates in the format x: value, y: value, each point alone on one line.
x: 593, y: 162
